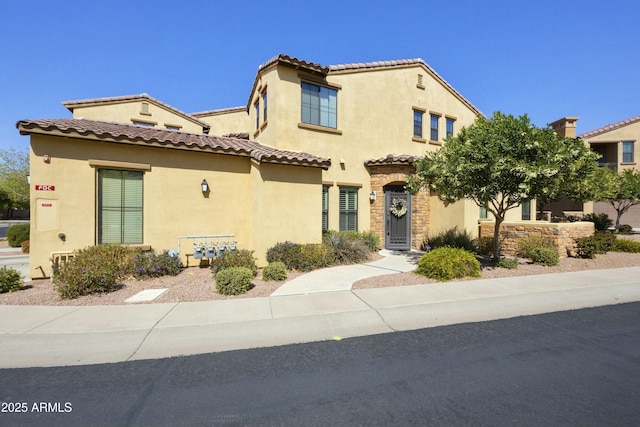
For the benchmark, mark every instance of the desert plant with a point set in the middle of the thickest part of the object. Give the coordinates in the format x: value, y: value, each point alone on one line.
x: 484, y: 245
x: 527, y: 244
x: 234, y: 280
x: 453, y: 238
x: 447, y: 263
x: 370, y: 239
x: 10, y: 280
x: 346, y: 248
x: 625, y: 229
x: 16, y: 234
x: 94, y: 269
x: 286, y: 252
x: 626, y: 245
x: 601, y: 221
x: 237, y: 258
x: 26, y: 246
x: 510, y: 263
x: 585, y: 247
x: 314, y: 256
x: 276, y: 271
x: 150, y: 264
x: 545, y: 256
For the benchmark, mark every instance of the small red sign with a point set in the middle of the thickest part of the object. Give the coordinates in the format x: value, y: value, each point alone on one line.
x: 47, y: 205
x: 40, y: 187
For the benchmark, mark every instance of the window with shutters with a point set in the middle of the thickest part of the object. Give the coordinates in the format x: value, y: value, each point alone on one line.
x: 325, y: 208
x: 348, y: 209
x: 319, y: 105
x: 119, y: 206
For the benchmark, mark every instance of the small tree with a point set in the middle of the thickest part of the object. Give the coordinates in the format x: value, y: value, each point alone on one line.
x: 501, y: 161
x: 620, y: 190
x: 14, y: 168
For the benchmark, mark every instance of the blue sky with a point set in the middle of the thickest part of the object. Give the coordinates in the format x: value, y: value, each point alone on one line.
x: 547, y: 59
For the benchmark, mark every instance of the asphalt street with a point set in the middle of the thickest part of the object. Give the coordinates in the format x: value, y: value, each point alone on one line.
x: 577, y: 367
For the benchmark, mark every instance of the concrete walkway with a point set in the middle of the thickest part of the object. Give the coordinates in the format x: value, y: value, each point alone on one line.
x: 54, y: 336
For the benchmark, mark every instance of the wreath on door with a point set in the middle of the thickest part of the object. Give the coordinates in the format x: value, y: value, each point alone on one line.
x: 398, y: 207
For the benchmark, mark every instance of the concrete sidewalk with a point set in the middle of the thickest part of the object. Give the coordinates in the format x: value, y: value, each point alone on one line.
x: 53, y: 336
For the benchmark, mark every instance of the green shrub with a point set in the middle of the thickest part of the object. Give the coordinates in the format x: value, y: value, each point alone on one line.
x: 370, y: 239
x: 94, y: 269
x: 626, y: 245
x: 510, y: 263
x: 347, y: 247
x: 286, y: 252
x: 545, y: 256
x: 16, y: 234
x: 586, y: 247
x: 234, y: 280
x: 314, y: 256
x: 275, y: 271
x: 601, y: 221
x: 150, y: 264
x: 625, y: 229
x: 454, y: 238
x: 447, y: 263
x: 26, y: 246
x: 527, y: 244
x: 10, y: 280
x: 237, y: 258
x: 484, y: 245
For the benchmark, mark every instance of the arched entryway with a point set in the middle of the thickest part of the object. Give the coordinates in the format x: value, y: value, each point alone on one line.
x: 397, y: 207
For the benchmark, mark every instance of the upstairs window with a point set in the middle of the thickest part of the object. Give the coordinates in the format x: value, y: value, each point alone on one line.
x: 449, y: 127
x: 257, y: 110
x: 417, y: 123
x: 627, y: 151
x: 264, y: 107
x: 434, y: 127
x: 319, y: 105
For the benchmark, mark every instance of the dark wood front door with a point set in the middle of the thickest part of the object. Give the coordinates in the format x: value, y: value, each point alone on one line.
x: 397, y: 204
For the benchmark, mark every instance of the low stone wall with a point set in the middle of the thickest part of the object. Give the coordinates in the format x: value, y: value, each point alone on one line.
x: 562, y: 234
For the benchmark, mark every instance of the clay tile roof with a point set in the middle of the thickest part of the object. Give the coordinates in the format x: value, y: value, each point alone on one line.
x: 70, y: 105
x: 298, y: 63
x: 392, y: 159
x: 142, y: 135
x: 610, y: 127
x: 219, y: 111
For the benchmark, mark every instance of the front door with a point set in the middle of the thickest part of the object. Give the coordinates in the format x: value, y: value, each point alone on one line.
x: 397, y: 204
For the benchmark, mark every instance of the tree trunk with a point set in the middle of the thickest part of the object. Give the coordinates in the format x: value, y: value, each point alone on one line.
x: 496, y: 239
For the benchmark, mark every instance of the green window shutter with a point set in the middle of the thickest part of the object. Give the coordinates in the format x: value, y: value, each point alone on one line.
x: 325, y: 208
x: 348, y: 209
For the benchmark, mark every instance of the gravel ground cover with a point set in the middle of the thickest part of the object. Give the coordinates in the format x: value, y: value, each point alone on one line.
x: 198, y: 284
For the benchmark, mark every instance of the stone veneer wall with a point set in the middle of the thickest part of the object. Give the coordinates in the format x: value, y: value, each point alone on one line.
x: 382, y: 175
x: 562, y: 234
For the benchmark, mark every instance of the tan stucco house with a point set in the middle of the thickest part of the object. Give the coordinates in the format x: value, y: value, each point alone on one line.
x: 315, y: 148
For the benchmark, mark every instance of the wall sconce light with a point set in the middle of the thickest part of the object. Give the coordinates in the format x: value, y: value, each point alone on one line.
x: 62, y: 236
x: 28, y: 178
x: 372, y: 196
x: 46, y: 158
x: 205, y: 186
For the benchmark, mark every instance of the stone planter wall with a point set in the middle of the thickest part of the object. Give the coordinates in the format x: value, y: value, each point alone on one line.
x: 562, y: 234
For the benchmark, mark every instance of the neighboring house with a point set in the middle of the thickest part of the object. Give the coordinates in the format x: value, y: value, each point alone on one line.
x: 617, y: 143
x: 315, y: 148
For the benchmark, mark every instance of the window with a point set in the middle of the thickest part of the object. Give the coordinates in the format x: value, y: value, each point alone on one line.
x: 483, y: 212
x: 257, y: 109
x: 319, y: 105
x: 139, y: 123
x: 526, y: 209
x: 264, y: 107
x: 325, y: 208
x: 348, y: 209
x: 434, y: 127
x: 119, y: 206
x: 627, y: 151
x: 449, y: 127
x: 417, y: 123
